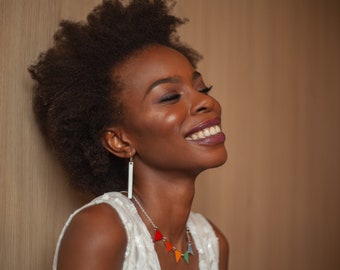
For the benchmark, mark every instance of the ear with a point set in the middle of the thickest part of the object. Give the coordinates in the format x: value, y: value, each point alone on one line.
x: 116, y: 142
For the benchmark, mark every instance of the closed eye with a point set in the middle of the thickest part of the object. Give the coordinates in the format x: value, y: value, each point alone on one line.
x: 205, y: 90
x: 170, y: 98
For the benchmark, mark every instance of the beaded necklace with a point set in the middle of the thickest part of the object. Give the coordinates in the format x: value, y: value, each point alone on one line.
x: 158, y: 236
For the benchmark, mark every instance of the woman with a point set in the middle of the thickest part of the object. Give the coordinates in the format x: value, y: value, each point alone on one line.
x: 119, y: 98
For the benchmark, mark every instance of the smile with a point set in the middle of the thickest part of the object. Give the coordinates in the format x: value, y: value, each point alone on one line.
x: 204, y: 133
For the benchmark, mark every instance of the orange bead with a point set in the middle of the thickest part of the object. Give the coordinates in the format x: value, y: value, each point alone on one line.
x: 168, y: 245
x: 178, y: 255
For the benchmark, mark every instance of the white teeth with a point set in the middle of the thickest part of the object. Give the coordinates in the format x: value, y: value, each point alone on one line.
x: 204, y: 133
x: 212, y: 131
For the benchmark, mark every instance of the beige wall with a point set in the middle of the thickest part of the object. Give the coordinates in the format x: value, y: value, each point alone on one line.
x: 275, y: 69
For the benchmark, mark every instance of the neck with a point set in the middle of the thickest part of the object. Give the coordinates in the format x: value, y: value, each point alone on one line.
x: 167, y: 200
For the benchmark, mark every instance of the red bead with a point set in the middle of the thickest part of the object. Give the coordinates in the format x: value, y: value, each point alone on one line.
x: 158, y: 236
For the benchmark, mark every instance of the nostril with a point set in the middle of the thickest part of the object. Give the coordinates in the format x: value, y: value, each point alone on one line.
x: 202, y: 109
x: 205, y: 104
x: 201, y: 103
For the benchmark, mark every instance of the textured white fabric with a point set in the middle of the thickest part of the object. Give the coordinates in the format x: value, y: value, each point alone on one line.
x: 140, y: 253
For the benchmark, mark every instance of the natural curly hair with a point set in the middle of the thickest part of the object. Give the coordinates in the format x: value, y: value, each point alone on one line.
x: 76, y: 96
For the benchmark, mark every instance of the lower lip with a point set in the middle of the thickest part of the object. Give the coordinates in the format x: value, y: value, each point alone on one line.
x: 212, y: 140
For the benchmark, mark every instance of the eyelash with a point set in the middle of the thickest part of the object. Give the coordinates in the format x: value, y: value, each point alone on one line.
x: 176, y: 96
x: 206, y: 90
x: 170, y: 97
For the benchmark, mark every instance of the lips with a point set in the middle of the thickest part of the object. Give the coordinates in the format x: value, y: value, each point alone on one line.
x: 207, y: 131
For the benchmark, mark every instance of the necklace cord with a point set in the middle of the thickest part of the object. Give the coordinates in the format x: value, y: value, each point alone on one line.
x: 159, y: 237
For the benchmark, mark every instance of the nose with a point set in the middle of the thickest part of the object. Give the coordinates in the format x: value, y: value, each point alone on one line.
x: 201, y: 103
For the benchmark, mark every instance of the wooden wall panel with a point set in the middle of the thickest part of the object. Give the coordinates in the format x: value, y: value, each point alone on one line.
x: 34, y: 197
x: 274, y: 66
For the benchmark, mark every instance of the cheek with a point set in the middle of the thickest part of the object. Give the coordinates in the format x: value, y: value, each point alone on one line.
x: 152, y: 125
x: 169, y: 120
x: 163, y: 123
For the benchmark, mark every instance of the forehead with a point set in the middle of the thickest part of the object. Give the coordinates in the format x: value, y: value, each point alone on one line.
x: 153, y: 63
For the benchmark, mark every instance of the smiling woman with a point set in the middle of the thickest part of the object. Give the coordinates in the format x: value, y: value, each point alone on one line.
x: 120, y: 91
x: 163, y: 95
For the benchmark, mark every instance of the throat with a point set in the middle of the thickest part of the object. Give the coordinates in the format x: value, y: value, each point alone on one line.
x: 160, y: 239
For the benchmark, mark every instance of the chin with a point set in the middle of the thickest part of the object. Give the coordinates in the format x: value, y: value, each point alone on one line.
x: 216, y: 161
x: 221, y: 158
x: 221, y: 162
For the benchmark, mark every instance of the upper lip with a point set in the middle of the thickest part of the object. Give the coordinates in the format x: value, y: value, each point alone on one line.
x: 208, y: 123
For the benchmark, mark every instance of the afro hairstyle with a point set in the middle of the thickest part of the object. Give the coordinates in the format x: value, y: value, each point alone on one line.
x: 75, y: 96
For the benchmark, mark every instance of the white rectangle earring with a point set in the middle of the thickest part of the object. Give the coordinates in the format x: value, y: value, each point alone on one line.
x: 130, y: 178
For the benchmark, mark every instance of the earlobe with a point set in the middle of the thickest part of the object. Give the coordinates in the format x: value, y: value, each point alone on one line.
x: 114, y: 141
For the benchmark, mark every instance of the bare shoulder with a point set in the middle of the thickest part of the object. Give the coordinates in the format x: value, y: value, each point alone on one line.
x: 224, y: 247
x: 95, y: 239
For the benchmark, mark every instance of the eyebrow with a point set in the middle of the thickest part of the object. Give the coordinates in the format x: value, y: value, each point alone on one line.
x: 196, y: 75
x: 174, y: 79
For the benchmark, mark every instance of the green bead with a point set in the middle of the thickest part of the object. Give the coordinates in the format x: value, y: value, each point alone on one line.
x: 186, y: 257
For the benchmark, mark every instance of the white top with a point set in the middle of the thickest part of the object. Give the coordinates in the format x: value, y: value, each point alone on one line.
x: 140, y: 252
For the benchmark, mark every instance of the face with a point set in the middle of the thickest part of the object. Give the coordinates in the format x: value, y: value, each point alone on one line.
x: 170, y: 119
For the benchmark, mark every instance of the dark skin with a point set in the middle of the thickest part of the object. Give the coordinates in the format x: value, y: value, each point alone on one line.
x: 166, y: 98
